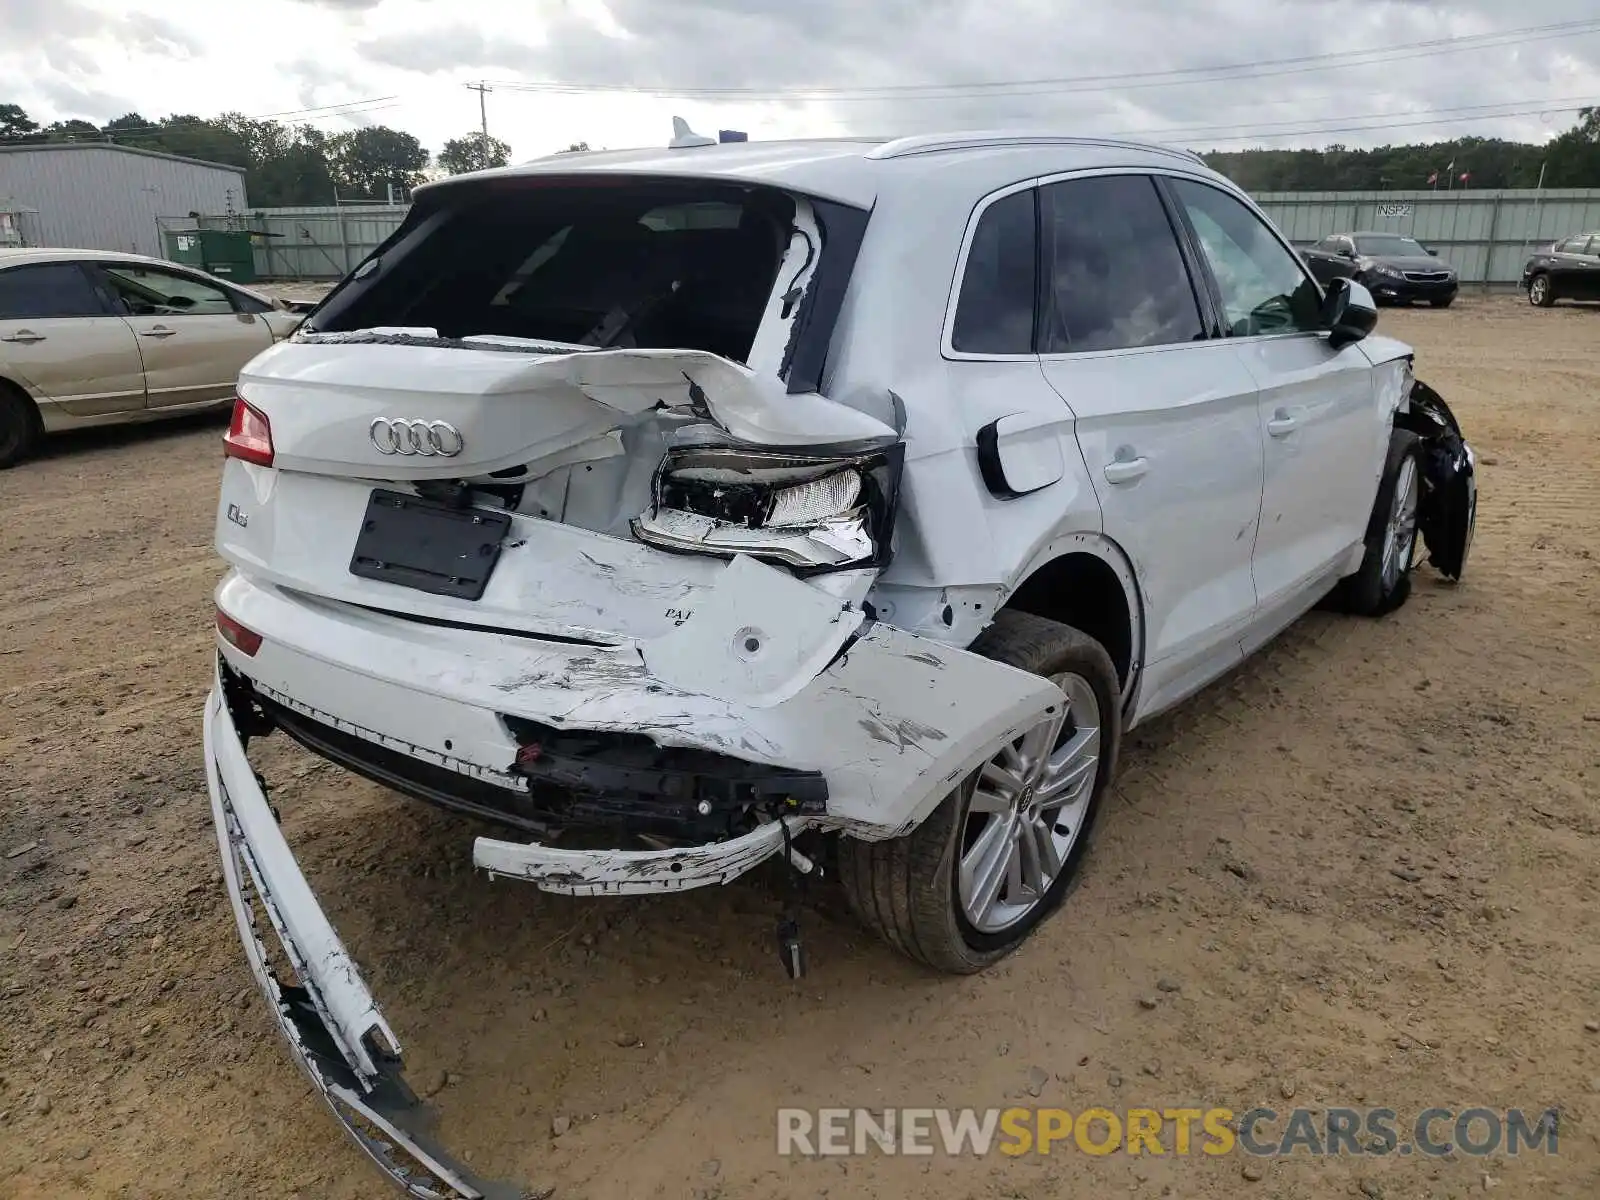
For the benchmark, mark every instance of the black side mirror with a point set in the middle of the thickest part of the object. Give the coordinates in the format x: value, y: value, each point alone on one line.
x: 1434, y: 253
x: 1348, y: 312
x: 1346, y: 252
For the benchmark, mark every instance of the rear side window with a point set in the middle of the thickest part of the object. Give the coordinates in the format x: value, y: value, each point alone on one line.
x: 1116, y: 276
x: 47, y: 290
x: 994, y: 314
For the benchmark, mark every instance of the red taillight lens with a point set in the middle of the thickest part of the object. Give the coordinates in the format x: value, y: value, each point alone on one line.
x: 245, y: 641
x: 249, y: 436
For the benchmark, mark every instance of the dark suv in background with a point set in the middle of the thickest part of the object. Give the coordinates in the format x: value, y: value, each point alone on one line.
x: 1394, y: 268
x: 1565, y: 270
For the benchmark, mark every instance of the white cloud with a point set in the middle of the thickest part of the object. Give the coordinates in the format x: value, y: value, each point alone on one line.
x: 98, y: 58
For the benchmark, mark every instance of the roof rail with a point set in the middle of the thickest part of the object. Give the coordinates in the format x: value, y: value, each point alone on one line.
x: 933, y: 143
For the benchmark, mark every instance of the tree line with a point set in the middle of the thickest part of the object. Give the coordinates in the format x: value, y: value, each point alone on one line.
x: 1571, y: 160
x: 302, y: 165
x: 284, y: 164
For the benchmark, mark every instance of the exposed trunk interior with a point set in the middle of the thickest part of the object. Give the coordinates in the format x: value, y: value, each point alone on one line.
x: 626, y: 264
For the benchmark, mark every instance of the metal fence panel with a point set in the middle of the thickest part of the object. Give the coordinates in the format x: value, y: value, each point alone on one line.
x: 1484, y: 234
x: 313, y: 243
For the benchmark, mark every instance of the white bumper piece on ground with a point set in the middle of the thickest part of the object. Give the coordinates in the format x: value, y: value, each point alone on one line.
x: 631, y: 872
x: 315, y: 994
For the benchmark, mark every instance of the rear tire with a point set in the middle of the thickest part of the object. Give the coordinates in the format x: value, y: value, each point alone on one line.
x: 1383, y: 581
x: 910, y: 891
x: 20, y: 426
x: 1540, y: 292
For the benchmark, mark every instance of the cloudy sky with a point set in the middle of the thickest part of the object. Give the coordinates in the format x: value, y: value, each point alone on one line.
x: 1205, y: 73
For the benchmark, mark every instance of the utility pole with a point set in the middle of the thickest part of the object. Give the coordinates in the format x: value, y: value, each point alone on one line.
x: 483, y: 90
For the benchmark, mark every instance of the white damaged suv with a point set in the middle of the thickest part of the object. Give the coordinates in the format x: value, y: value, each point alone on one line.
x: 840, y: 501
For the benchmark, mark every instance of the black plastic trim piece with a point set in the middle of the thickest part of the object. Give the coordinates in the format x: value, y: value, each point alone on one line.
x: 843, y: 229
x: 623, y: 767
x: 989, y: 465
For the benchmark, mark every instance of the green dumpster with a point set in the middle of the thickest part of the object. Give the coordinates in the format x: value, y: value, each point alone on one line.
x: 225, y: 253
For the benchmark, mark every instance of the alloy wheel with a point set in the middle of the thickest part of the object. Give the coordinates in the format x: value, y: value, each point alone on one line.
x: 1028, y: 807
x: 1399, y: 536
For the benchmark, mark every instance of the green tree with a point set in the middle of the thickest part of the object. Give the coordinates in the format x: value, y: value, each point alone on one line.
x: 73, y: 130
x: 288, y: 165
x: 576, y: 148
x: 197, y: 137
x: 368, y: 162
x: 1574, y: 157
x: 15, y: 124
x: 472, y: 153
x: 134, y: 129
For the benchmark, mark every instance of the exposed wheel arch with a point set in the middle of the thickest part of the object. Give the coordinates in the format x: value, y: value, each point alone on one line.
x: 1087, y: 582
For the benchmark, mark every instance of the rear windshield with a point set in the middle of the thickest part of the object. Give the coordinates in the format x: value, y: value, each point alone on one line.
x: 651, y: 266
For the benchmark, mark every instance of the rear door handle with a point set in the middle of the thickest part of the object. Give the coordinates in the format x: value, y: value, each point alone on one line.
x: 23, y: 335
x: 160, y: 331
x: 1126, y: 470
x: 1282, y: 424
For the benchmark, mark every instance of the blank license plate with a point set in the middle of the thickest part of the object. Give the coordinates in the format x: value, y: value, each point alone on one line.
x: 428, y: 546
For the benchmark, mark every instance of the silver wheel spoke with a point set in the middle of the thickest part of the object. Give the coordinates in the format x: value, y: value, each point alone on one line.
x: 1036, y: 743
x: 1000, y: 779
x: 1070, y: 767
x: 990, y: 801
x: 983, y: 868
x: 1041, y: 855
x: 1026, y: 810
x: 1013, y: 874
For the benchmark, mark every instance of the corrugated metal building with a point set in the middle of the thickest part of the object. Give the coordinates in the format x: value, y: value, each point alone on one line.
x: 96, y: 196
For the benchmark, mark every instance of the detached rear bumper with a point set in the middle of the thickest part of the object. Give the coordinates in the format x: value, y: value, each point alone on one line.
x: 312, y: 987
x: 888, y: 721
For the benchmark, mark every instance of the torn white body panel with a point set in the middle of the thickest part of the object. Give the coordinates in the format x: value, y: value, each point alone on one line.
x: 891, y: 723
x: 518, y: 402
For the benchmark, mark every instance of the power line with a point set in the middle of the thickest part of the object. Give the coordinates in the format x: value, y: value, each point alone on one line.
x: 1178, y: 77
x: 1519, y: 108
x: 349, y: 108
x: 1383, y: 124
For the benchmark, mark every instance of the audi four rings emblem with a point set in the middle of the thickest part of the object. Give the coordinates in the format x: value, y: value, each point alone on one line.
x: 401, y: 435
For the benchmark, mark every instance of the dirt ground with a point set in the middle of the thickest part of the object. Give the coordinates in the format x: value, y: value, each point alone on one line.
x: 1366, y: 869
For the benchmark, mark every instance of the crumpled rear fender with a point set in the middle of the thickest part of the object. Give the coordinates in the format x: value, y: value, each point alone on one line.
x: 1448, y: 510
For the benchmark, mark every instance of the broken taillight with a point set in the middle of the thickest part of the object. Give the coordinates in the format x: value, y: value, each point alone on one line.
x: 249, y: 435
x: 245, y: 641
